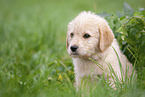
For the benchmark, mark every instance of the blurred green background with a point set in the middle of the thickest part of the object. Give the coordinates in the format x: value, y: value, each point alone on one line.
x: 33, y: 57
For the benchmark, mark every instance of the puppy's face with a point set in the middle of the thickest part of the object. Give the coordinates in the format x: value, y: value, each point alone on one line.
x: 86, y: 35
x: 82, y: 40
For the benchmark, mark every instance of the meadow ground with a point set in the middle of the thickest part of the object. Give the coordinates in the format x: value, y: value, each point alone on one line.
x: 33, y: 58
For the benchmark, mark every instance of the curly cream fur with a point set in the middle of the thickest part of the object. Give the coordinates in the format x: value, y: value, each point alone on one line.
x: 97, y: 47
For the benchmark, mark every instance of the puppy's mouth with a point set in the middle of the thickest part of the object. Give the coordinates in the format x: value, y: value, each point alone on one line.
x: 74, y: 54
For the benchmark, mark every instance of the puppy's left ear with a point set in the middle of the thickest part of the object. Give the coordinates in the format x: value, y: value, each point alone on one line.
x: 106, y: 37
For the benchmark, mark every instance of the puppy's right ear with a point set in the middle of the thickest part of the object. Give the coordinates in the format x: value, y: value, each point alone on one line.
x: 67, y: 42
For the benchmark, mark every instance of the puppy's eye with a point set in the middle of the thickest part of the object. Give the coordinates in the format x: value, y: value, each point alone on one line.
x: 86, y: 36
x: 71, y: 35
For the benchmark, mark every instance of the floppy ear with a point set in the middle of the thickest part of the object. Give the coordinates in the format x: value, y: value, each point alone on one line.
x: 67, y: 42
x: 106, y: 36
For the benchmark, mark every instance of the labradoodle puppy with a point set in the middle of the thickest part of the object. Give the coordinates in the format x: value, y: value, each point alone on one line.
x: 91, y: 44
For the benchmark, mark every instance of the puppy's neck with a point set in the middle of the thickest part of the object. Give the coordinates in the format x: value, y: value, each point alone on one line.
x: 82, y: 65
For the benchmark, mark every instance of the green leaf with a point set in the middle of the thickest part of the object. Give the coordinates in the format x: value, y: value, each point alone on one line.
x: 120, y: 30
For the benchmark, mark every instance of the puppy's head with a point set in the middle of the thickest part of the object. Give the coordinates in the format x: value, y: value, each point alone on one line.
x: 88, y: 34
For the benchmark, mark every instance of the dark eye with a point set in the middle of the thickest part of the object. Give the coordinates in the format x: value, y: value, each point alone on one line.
x: 86, y: 36
x: 71, y: 35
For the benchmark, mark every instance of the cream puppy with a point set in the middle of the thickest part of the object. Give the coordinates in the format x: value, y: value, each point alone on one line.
x: 89, y: 37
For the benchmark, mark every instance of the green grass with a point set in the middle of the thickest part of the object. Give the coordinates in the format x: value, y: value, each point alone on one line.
x: 33, y: 58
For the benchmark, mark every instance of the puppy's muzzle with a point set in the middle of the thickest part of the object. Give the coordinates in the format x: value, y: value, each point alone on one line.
x: 74, y: 48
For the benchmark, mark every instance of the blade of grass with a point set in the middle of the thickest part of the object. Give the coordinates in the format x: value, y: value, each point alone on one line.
x: 99, y: 65
x: 120, y: 65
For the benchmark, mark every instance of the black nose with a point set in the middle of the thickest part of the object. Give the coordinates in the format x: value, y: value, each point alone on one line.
x: 73, y: 48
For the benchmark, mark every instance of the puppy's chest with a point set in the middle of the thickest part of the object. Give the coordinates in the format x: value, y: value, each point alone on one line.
x: 86, y: 68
